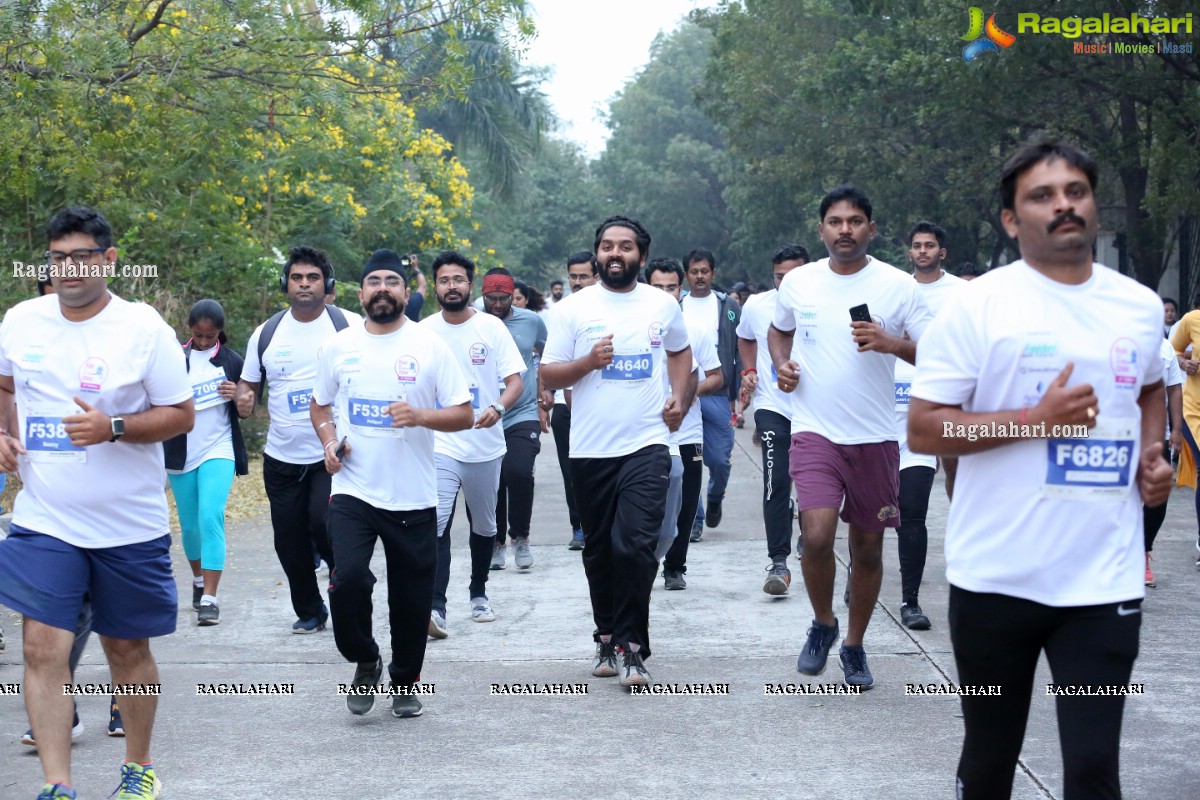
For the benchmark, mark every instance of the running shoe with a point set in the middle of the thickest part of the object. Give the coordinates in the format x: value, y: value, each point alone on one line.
x: 498, y: 555
x: 56, y: 791
x: 405, y: 705
x: 854, y: 665
x: 116, y: 726
x: 1150, y: 574
x: 605, y: 663
x: 673, y: 580
x: 76, y: 732
x: 633, y: 671
x: 697, y: 531
x: 576, y: 542
x: 209, y: 614
x: 312, y: 625
x: 137, y: 783
x: 522, y: 555
x: 779, y: 578
x: 816, y: 648
x: 712, y: 515
x: 913, y: 618
x: 197, y: 593
x: 366, y: 677
x: 481, y: 610
x: 437, y: 624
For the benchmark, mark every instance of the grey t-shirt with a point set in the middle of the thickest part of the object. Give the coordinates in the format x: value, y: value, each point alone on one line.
x: 529, y: 332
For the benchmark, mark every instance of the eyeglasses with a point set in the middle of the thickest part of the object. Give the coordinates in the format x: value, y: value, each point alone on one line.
x: 81, y: 256
x: 390, y: 283
x: 457, y: 280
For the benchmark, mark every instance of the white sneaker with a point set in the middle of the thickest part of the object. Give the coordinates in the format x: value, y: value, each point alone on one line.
x: 437, y: 625
x: 481, y: 610
x: 497, y: 556
x: 522, y: 555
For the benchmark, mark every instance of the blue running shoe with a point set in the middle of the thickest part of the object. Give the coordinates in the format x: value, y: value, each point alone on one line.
x: 816, y: 649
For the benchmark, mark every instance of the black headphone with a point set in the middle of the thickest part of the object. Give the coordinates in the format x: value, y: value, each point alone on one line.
x: 283, y: 280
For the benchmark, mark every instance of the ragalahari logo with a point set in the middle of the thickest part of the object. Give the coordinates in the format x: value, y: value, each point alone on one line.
x: 995, y: 41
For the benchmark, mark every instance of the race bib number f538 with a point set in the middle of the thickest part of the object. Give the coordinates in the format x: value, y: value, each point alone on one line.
x: 629, y: 367
x: 46, y: 440
x: 1098, y: 468
x: 298, y: 403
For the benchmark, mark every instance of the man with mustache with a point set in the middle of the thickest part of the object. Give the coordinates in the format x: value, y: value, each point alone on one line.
x: 471, y: 460
x: 927, y: 252
x: 703, y: 307
x: 612, y: 344
x: 1044, y: 547
x: 293, y: 466
x: 844, y: 453
x: 396, y: 386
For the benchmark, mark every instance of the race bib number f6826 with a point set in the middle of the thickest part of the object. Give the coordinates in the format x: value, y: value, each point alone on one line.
x: 1098, y: 468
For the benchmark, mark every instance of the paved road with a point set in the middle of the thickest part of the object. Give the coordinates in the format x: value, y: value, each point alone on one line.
x: 722, y: 629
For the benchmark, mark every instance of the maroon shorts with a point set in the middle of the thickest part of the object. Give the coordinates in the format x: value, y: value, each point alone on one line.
x: 866, y: 476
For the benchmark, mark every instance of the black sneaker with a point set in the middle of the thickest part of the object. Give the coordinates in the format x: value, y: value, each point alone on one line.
x: 366, y: 676
x: 673, y: 580
x: 405, y: 705
x: 209, y: 614
x: 816, y: 649
x: 633, y: 671
x: 197, y: 593
x: 913, y: 618
x: 854, y: 664
x: 311, y: 625
x: 116, y: 726
x: 604, y: 665
x: 712, y: 514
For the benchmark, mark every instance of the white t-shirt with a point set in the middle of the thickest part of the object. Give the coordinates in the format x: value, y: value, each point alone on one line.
x: 846, y: 396
x: 1172, y: 376
x: 1055, y: 521
x: 936, y: 295
x: 212, y: 434
x: 617, y: 410
x: 485, y: 351
x: 757, y: 315
x: 361, y: 374
x: 704, y: 357
x: 291, y: 361
x: 121, y: 361
x: 703, y: 312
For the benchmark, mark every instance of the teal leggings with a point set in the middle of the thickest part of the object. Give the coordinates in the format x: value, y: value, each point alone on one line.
x: 200, y: 497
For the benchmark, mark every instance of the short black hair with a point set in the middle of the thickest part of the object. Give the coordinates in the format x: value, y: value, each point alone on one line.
x: 640, y: 234
x: 581, y: 257
x: 851, y: 194
x: 968, y: 268
x: 555, y: 282
x: 700, y: 254
x: 1170, y: 300
x: 924, y: 226
x: 1032, y: 153
x: 303, y: 254
x: 80, y: 219
x: 789, y: 252
x: 665, y: 265
x: 458, y: 259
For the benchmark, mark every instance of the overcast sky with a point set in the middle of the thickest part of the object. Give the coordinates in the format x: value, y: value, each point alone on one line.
x: 594, y: 47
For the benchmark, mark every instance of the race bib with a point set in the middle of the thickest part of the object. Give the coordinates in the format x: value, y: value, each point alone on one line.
x: 902, y: 391
x: 369, y: 417
x: 298, y: 403
x: 475, y: 397
x: 205, y: 394
x: 1099, y: 468
x: 46, y: 438
x: 629, y: 367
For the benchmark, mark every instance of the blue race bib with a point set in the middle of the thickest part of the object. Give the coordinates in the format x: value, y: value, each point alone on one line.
x: 630, y: 367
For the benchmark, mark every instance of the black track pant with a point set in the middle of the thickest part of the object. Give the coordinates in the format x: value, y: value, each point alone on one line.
x: 692, y: 456
x: 912, y: 535
x: 560, y: 425
x: 299, y: 498
x: 514, y: 499
x: 997, y: 640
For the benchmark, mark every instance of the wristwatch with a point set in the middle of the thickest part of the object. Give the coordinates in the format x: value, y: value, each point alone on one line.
x: 118, y: 428
x: 499, y: 407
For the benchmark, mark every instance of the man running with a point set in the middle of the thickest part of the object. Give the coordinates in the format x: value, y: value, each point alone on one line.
x: 612, y: 343
x: 293, y: 466
x: 1056, y: 358
x: 394, y: 384
x: 98, y: 384
x: 772, y: 418
x: 840, y: 324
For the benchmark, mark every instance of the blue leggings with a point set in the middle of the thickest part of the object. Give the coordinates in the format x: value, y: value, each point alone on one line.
x: 200, y: 497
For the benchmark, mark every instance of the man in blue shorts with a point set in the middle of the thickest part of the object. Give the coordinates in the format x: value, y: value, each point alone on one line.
x: 98, y: 384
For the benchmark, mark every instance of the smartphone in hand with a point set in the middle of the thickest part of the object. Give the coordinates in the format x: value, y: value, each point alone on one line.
x: 860, y: 314
x: 340, y: 450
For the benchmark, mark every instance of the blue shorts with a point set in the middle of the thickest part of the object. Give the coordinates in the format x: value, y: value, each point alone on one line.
x: 131, y: 587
